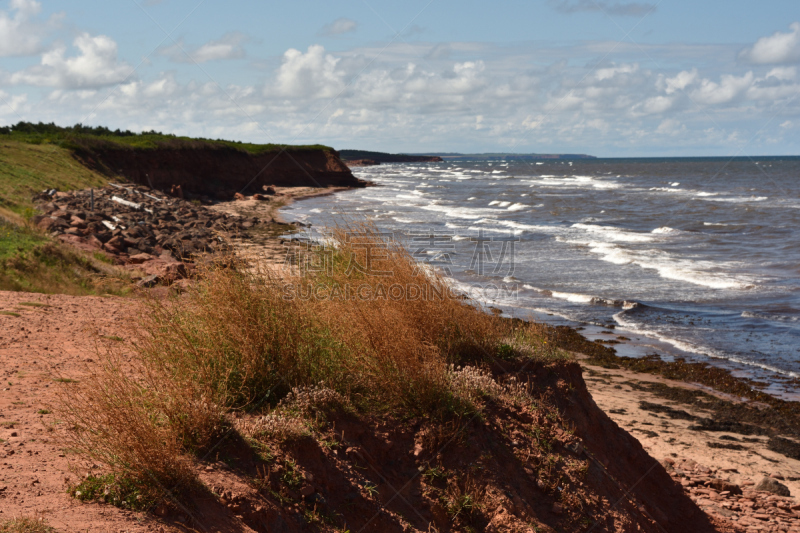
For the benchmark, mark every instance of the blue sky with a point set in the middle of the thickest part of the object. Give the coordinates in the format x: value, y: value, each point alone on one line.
x: 605, y: 77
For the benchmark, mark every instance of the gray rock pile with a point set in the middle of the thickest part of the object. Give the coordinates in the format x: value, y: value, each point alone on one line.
x: 135, y: 225
x: 749, y: 507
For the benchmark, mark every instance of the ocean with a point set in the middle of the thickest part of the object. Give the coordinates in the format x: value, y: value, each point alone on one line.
x: 693, y: 258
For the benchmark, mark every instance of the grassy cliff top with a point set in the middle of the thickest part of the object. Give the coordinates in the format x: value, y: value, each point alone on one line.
x: 87, y: 138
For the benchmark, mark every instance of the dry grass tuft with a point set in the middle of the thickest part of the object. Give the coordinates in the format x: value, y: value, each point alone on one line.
x: 294, y: 349
x: 25, y: 525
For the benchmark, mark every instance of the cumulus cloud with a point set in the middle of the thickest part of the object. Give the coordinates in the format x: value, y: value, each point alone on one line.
x: 630, y: 9
x: 775, y: 49
x: 95, y: 66
x: 681, y: 81
x: 467, y: 97
x: 227, y: 47
x: 339, y: 26
x: 314, y: 73
x: 609, y: 72
x: 20, y: 34
x: 728, y: 89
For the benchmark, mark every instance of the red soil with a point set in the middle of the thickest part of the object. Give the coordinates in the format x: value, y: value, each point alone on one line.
x: 365, y: 472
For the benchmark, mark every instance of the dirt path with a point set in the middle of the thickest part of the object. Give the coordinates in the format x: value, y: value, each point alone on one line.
x: 53, y: 339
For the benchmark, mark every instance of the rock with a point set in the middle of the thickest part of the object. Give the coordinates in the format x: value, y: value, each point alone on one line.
x: 176, y: 270
x: 239, y: 196
x: 149, y: 282
x: 771, y: 485
x: 260, y: 197
x: 722, y: 486
x: 269, y: 190
x: 307, y: 490
x: 558, y: 508
x: 776, y: 475
x: 138, y: 259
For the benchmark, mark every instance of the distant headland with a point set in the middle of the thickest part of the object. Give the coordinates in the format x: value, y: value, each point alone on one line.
x: 355, y: 158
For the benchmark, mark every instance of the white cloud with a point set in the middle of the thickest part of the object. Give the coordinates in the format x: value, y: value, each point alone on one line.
x: 313, y: 74
x: 782, y: 73
x: 338, y: 27
x: 20, y: 35
x: 227, y: 47
x: 95, y: 66
x: 728, y: 89
x: 655, y: 105
x: 610, y: 72
x: 777, y: 48
x: 681, y: 81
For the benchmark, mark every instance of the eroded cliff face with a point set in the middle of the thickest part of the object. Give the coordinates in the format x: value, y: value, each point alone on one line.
x: 222, y: 171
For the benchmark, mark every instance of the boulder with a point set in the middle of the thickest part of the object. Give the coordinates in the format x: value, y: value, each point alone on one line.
x: 239, y: 196
x: 774, y: 486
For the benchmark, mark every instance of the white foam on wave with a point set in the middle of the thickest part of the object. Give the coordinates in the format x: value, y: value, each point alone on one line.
x: 540, y: 163
x: 572, y: 297
x: 665, y: 230
x: 739, y: 200
x: 516, y: 207
x: 704, y: 273
x: 703, y: 194
x: 468, y: 213
x: 622, y: 320
x: 614, y: 234
x: 765, y: 316
x: 715, y: 224
x: 499, y: 203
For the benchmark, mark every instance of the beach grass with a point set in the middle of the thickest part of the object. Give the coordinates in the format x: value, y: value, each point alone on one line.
x: 239, y: 342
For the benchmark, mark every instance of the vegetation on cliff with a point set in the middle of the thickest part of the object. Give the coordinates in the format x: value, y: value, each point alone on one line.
x: 80, y: 137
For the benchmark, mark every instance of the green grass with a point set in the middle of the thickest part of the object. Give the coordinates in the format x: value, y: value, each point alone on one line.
x: 17, y: 239
x: 28, y: 169
x: 65, y: 380
x: 118, y: 491
x: 112, y: 338
x: 81, y: 138
x: 31, y: 262
x: 34, y: 304
x: 25, y: 525
x: 9, y: 313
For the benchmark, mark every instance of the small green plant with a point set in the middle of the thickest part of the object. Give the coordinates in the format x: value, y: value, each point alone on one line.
x: 62, y: 380
x: 435, y: 473
x: 43, y: 412
x: 112, y: 338
x: 506, y: 351
x: 103, y: 258
x: 9, y: 313
x: 116, y: 490
x: 291, y: 476
x: 371, y: 489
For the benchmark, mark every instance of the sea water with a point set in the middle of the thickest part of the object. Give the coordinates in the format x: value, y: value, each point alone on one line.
x: 696, y: 258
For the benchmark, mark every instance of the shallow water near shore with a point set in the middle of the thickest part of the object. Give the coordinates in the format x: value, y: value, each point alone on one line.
x: 697, y: 258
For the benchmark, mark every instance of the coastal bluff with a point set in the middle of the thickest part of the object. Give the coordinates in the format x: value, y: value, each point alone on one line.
x: 221, y: 171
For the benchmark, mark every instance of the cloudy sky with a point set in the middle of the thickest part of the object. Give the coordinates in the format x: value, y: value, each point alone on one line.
x: 604, y: 77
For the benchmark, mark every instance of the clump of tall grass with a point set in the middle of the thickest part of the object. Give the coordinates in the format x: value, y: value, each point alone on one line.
x: 245, y: 339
